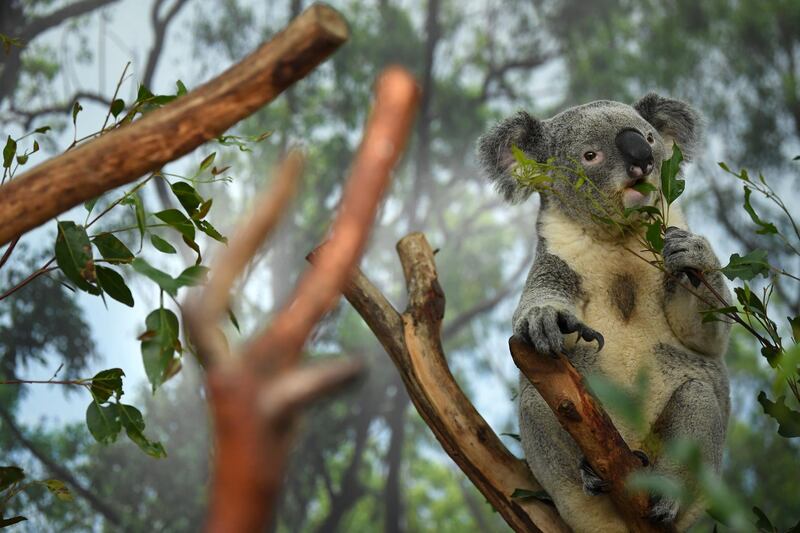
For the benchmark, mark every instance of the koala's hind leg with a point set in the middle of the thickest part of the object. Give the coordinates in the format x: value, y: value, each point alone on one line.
x: 693, y: 412
x: 555, y: 460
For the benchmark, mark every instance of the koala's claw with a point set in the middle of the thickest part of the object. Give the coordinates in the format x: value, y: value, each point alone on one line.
x: 569, y: 324
x: 592, y: 483
x: 642, y: 457
x: 662, y: 510
x: 687, y: 253
x: 545, y: 326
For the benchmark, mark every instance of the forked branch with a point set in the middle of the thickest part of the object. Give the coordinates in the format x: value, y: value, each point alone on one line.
x: 413, y: 341
x: 256, y: 396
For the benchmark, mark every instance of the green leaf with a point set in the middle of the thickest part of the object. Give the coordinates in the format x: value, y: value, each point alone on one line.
x: 208, y: 161
x: 143, y: 93
x: 788, y: 419
x: 206, y: 227
x: 710, y: 315
x: 234, y: 321
x: 181, y: 88
x: 107, y: 382
x: 747, y: 267
x: 22, y: 159
x: 117, y: 106
x: 192, y: 276
x: 74, y: 256
x: 795, y: 325
x: 187, y: 196
x: 76, y: 108
x: 138, y: 208
x: 671, y: 186
x: 164, y: 280
x: 618, y: 400
x: 203, y: 210
x: 58, y: 489
x: 89, y: 205
x: 10, y: 475
x: 43, y: 129
x: 767, y: 228
x: 654, y: 237
x: 193, y: 245
x: 654, y: 483
x: 178, y: 221
x: 644, y: 187
x: 159, y: 344
x: 153, y: 449
x: 762, y: 522
x: 526, y: 494
x: 103, y: 422
x: 131, y: 417
x: 161, y: 245
x: 112, y: 249
x: 9, y: 152
x: 114, y: 285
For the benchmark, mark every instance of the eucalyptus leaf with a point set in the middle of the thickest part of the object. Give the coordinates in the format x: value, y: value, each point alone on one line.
x: 103, y: 422
x: 159, y: 344
x: 10, y: 475
x: 58, y: 489
x: 112, y: 249
x: 114, y: 285
x: 161, y: 245
x: 748, y: 266
x: 164, y: 280
x: 178, y: 221
x: 107, y: 383
x: 788, y: 419
x: 9, y: 151
x: 73, y: 253
x: 671, y: 186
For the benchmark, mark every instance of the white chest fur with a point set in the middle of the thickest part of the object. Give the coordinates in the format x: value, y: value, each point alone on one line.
x: 623, y: 299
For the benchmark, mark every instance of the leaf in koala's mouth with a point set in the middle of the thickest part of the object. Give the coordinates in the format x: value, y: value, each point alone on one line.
x: 644, y: 187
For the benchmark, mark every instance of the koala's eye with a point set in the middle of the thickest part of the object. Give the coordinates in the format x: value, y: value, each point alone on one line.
x: 589, y: 156
x: 650, y: 138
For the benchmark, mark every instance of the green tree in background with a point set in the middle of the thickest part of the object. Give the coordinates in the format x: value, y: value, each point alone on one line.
x: 365, y: 461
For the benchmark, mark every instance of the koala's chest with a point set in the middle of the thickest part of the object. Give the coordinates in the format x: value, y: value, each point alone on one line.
x: 622, y: 297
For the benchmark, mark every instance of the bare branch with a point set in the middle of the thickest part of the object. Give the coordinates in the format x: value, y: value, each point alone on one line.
x: 255, y: 398
x: 172, y: 131
x: 412, y: 341
x: 384, y: 139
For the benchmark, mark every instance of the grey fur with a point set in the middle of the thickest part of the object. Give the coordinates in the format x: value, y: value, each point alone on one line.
x: 556, y: 295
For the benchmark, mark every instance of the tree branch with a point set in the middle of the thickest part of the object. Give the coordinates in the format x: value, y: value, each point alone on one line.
x: 412, y: 341
x: 172, y: 131
x: 256, y: 397
x: 562, y: 387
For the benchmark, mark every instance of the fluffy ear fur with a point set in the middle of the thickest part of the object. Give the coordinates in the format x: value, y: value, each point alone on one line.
x: 497, y: 160
x: 675, y: 120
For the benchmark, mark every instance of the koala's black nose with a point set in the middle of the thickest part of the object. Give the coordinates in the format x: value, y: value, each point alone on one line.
x: 636, y: 153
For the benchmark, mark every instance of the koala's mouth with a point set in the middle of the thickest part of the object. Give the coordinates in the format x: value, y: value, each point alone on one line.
x: 631, y: 197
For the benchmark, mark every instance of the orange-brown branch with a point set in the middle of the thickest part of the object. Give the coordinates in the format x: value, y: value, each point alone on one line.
x: 146, y: 145
x: 255, y: 398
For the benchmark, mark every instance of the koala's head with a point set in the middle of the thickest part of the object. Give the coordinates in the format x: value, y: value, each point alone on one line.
x: 617, y: 145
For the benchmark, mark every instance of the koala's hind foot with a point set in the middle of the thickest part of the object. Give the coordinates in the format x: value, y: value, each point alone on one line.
x: 544, y: 328
x: 593, y: 484
x: 662, y: 510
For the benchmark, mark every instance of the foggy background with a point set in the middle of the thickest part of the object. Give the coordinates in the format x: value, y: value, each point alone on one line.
x: 365, y: 461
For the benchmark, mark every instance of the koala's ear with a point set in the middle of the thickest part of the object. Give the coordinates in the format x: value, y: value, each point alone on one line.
x: 675, y: 120
x: 497, y: 159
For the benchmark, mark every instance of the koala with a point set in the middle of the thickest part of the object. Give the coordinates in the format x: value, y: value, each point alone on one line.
x: 611, y: 313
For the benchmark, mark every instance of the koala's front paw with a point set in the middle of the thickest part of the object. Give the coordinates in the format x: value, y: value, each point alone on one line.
x: 544, y: 328
x: 662, y: 510
x: 687, y: 253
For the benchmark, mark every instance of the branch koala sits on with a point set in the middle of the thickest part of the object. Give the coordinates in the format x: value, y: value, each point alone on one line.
x: 587, y: 291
